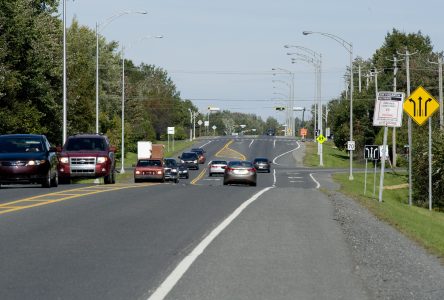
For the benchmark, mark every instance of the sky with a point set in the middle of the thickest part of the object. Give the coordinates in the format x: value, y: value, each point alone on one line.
x: 221, y: 53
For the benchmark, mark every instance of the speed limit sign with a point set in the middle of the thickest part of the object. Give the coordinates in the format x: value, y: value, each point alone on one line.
x: 351, y: 145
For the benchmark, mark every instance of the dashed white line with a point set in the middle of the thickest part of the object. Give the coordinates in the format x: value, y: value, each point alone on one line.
x: 274, y: 144
x: 318, y: 185
x: 274, y: 176
x: 205, y: 144
x: 252, y: 141
x: 169, y: 283
x: 295, y: 177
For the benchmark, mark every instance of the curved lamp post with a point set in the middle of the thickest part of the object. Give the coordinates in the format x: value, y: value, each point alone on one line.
x: 291, y: 98
x: 99, y: 27
x: 349, y: 47
x: 122, y: 169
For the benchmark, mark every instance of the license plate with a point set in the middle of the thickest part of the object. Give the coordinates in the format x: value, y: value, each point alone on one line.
x: 242, y: 172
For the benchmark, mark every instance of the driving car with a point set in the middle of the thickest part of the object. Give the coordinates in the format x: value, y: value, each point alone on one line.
x: 87, y: 156
x: 217, y: 167
x: 201, y: 154
x: 149, y: 169
x: 190, y: 159
x: 262, y: 164
x: 171, y: 169
x: 27, y: 158
x: 183, y: 171
x: 240, y: 171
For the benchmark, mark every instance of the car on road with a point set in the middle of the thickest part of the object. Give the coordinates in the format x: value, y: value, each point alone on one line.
x: 190, y: 159
x: 149, y: 169
x: 87, y: 156
x: 217, y: 167
x: 183, y: 171
x: 171, y: 170
x: 262, y: 164
x: 28, y: 158
x: 240, y: 171
x: 201, y: 154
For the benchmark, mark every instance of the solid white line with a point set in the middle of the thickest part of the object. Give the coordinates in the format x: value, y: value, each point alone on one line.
x: 274, y: 143
x: 274, y: 175
x: 205, y: 144
x: 296, y: 181
x: 252, y: 141
x: 274, y: 160
x: 172, y: 279
x: 318, y: 185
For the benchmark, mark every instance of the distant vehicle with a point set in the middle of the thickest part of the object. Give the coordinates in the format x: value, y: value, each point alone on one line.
x: 200, y: 152
x: 150, y: 165
x: 87, y: 156
x: 217, y: 167
x: 262, y: 164
x: 240, y: 172
x: 270, y: 132
x: 171, y: 169
x: 190, y: 159
x: 149, y: 169
x: 27, y: 158
x: 183, y: 171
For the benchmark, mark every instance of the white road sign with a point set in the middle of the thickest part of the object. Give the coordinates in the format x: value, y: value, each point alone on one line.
x: 199, y: 122
x: 214, y: 127
x: 170, y: 130
x: 388, y: 109
x: 351, y: 145
x: 207, y: 123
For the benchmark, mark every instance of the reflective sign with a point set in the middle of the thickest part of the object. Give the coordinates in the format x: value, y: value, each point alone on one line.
x: 321, y: 139
x: 420, y: 105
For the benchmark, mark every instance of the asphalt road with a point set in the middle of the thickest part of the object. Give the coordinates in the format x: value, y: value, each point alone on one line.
x: 194, y: 240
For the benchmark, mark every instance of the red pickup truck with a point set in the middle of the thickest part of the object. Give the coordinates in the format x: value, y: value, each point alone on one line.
x: 87, y: 156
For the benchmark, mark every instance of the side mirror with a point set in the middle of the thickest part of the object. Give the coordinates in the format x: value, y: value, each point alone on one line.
x: 179, y: 157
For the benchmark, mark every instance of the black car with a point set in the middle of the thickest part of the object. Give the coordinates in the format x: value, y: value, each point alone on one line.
x: 183, y: 171
x: 262, y: 164
x: 171, y: 169
x: 201, y: 154
x: 27, y: 158
x: 190, y: 159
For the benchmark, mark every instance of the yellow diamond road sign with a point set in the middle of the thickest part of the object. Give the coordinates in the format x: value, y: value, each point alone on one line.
x: 321, y: 139
x: 420, y: 105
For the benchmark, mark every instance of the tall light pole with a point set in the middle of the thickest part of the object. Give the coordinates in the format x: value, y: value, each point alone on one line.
x: 64, y: 74
x: 349, y: 47
x: 122, y: 169
x: 99, y: 27
x: 291, y: 99
x: 191, y: 124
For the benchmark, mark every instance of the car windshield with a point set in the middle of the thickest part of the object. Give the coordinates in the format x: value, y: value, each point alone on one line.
x: 245, y: 164
x: 219, y: 162
x: 170, y: 163
x: 149, y: 163
x: 261, y: 160
x: 188, y: 155
x: 85, y: 144
x: 20, y: 145
x: 197, y: 150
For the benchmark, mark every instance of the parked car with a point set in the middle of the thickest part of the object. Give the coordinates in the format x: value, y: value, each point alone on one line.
x: 27, y: 158
x: 240, y: 172
x: 171, y: 169
x: 87, y: 156
x: 149, y: 169
x: 262, y: 164
x: 183, y: 171
x: 217, y: 167
x: 201, y: 154
x: 190, y: 159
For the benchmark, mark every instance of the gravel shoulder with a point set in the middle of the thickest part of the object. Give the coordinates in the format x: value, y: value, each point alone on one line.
x: 391, y: 265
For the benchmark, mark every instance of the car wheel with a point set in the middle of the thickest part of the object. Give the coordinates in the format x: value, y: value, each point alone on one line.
x: 176, y: 180
x: 55, y: 180
x: 47, y: 181
x: 107, y: 179
x: 63, y: 180
x: 136, y: 180
x: 162, y: 180
x: 113, y: 179
x: 211, y: 174
x: 188, y: 176
x: 225, y: 183
x: 253, y: 184
x: 268, y: 171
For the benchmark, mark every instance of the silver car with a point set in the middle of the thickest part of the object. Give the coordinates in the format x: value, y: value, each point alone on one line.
x: 240, y: 171
x: 217, y: 167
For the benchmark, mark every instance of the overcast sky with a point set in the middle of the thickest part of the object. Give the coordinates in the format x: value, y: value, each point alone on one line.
x: 220, y: 53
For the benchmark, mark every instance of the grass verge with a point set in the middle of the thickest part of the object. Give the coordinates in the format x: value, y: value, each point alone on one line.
x: 421, y: 225
x: 332, y: 156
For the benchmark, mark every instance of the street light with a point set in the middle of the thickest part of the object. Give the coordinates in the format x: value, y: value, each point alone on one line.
x: 122, y: 170
x: 291, y: 98
x: 64, y: 73
x: 99, y: 27
x: 349, y: 47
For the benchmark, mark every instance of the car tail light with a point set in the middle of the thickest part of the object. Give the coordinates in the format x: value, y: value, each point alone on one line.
x: 252, y: 170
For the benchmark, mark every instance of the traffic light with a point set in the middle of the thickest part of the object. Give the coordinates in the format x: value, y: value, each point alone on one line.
x: 280, y: 108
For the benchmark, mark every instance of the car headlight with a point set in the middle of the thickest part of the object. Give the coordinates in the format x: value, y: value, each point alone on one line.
x: 159, y: 172
x: 195, y: 161
x: 64, y: 160
x: 35, y: 162
x: 101, y: 160
x: 174, y: 170
x: 137, y: 172
x: 182, y: 161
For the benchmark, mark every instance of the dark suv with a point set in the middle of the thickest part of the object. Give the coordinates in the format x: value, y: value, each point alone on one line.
x: 27, y: 158
x: 190, y: 159
x: 87, y: 156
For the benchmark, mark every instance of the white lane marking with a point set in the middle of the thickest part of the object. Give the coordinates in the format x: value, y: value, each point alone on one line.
x: 295, y: 177
x: 274, y: 160
x: 172, y: 279
x: 298, y: 181
x: 274, y: 143
x: 318, y: 185
x: 205, y: 144
x: 274, y: 176
x: 212, y: 179
x: 252, y: 141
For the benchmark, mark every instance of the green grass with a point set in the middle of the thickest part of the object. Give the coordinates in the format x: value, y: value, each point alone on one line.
x: 332, y: 156
x: 423, y: 226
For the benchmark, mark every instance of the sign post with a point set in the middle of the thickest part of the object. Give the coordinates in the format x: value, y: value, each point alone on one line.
x: 420, y: 106
x: 388, y: 112
x: 371, y: 152
x: 170, y: 131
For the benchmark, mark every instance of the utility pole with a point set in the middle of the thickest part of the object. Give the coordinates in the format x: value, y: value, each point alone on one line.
x: 359, y: 80
x: 395, y: 71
